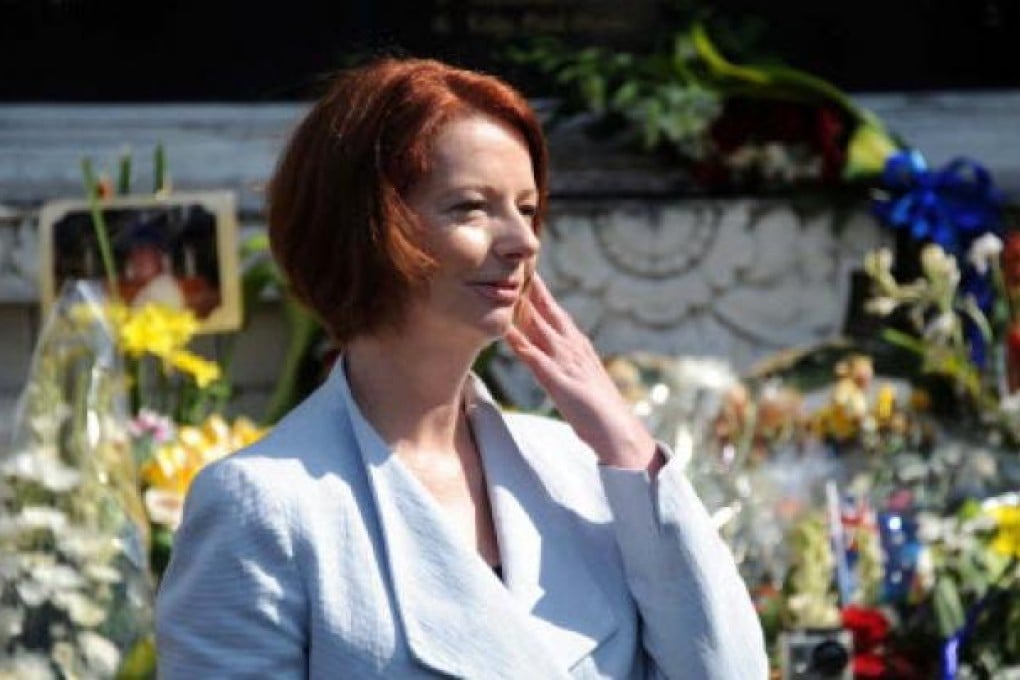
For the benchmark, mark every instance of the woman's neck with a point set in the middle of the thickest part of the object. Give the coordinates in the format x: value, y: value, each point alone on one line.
x: 409, y: 390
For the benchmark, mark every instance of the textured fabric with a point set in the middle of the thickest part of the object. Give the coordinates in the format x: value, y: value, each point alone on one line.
x: 316, y: 553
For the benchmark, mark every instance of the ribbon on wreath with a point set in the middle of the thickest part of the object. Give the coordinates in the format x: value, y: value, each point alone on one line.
x: 950, y: 207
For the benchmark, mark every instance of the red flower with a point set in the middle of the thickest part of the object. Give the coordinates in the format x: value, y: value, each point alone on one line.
x: 869, y: 627
x: 869, y: 666
x: 1011, y: 260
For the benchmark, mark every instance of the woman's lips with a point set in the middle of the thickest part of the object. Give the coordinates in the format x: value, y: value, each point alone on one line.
x: 501, y: 292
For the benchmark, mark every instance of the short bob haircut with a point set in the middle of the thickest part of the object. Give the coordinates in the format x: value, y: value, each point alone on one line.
x: 338, y: 223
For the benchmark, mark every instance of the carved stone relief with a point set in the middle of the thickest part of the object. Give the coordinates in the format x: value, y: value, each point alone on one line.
x: 737, y: 279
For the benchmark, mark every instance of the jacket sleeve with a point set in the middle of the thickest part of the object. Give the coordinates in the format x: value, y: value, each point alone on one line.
x: 231, y: 603
x: 697, y: 617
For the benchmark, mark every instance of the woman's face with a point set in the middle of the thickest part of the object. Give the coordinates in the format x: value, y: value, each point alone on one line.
x: 477, y: 207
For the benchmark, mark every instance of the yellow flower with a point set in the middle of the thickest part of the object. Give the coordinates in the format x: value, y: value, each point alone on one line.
x: 85, y: 314
x: 836, y: 422
x: 1007, y: 530
x: 156, y: 329
x: 885, y: 404
x: 174, y: 465
x: 201, y: 370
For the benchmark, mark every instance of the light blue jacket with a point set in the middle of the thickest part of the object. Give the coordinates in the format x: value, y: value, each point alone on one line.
x: 316, y: 553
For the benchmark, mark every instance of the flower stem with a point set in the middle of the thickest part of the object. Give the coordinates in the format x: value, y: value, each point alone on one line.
x: 99, y: 226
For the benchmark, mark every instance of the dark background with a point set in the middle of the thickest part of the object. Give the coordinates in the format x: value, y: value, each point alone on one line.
x: 231, y: 50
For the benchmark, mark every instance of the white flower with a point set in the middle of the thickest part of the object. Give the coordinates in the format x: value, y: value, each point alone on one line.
x: 86, y: 546
x: 881, y: 306
x: 31, y: 593
x: 878, y: 265
x: 102, y: 573
x: 83, y: 611
x: 64, y: 657
x: 164, y: 507
x: 930, y: 528
x: 34, y: 517
x: 58, y: 577
x: 41, y: 465
x: 984, y: 251
x: 936, y: 263
x: 22, y: 665
x: 101, y: 655
x: 11, y: 620
x: 941, y: 328
x: 925, y: 570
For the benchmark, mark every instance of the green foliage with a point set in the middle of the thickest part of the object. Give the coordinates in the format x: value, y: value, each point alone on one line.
x: 261, y: 277
x: 659, y: 100
x: 668, y: 98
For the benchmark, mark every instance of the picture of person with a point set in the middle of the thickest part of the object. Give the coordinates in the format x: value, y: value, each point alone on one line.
x: 148, y: 271
x: 163, y: 252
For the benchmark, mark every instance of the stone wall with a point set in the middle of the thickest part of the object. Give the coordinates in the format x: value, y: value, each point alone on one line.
x: 639, y: 265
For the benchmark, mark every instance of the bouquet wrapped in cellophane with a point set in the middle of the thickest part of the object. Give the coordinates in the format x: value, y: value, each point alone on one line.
x: 75, y: 586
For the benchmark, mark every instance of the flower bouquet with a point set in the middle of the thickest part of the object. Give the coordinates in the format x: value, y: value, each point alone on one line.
x: 76, y: 592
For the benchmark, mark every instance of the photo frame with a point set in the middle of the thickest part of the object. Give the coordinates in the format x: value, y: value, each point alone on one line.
x: 179, y: 250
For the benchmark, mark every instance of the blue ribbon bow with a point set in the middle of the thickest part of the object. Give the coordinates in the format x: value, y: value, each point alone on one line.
x: 951, y: 206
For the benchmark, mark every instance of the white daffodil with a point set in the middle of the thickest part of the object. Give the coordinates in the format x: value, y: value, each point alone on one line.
x: 984, y: 251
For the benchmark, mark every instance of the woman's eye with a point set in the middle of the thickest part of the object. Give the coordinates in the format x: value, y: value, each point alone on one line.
x: 469, y: 206
x: 528, y: 210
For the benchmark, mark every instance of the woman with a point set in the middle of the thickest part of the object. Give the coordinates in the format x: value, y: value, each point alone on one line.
x: 397, y: 523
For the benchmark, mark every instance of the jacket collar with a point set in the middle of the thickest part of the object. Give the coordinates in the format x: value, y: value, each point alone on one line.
x: 458, y: 618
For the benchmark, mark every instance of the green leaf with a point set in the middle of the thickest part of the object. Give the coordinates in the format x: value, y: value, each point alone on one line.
x: 948, y: 607
x: 140, y: 661
x: 904, y: 340
x: 625, y: 95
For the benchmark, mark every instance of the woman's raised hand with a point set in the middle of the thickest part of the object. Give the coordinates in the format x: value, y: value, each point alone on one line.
x: 567, y: 366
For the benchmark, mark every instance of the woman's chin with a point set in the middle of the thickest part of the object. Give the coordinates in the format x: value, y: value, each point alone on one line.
x: 494, y: 326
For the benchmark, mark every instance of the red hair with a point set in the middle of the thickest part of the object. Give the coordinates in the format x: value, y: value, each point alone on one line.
x: 338, y: 223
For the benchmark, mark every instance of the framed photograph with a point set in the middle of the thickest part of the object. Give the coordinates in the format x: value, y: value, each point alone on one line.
x: 180, y: 250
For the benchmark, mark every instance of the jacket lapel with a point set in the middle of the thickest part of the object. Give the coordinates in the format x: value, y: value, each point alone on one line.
x: 543, y: 565
x: 458, y: 618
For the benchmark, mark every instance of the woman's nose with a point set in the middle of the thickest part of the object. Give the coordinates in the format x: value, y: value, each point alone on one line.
x: 518, y: 239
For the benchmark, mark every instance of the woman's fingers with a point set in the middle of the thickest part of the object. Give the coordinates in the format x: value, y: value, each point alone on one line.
x: 533, y: 356
x: 538, y: 329
x: 567, y: 366
x: 545, y: 304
